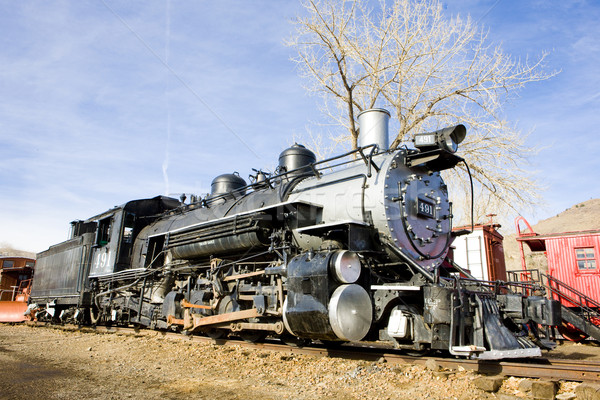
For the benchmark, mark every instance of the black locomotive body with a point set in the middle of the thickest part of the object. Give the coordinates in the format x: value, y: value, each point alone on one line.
x: 347, y: 249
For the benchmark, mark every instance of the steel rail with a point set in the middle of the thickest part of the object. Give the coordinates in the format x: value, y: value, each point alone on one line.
x: 542, y: 368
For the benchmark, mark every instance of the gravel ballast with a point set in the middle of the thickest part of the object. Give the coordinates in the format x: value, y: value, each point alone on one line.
x: 49, y: 363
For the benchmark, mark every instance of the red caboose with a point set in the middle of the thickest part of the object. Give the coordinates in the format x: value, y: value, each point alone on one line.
x: 15, y: 279
x: 572, y: 258
x: 573, y: 275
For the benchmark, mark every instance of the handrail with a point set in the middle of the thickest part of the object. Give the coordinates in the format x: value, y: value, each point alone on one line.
x: 13, y: 293
x: 367, y: 159
x: 22, y: 288
x: 520, y: 219
x: 528, y: 281
x: 588, y: 306
x: 558, y: 290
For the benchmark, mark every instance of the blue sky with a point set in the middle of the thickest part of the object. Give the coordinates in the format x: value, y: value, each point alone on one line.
x: 103, y: 102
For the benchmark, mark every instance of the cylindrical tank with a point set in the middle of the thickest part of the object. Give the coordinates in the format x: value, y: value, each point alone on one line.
x: 227, y: 183
x: 318, y: 307
x: 296, y: 157
x: 373, y: 125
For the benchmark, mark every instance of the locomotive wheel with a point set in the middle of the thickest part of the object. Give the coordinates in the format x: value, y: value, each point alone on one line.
x: 569, y: 332
x: 215, y: 333
x: 415, y: 353
x: 333, y: 344
x: 227, y: 304
x: 252, y: 336
x: 294, y: 341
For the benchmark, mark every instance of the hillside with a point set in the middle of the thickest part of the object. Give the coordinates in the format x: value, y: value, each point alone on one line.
x: 9, y: 251
x: 580, y: 217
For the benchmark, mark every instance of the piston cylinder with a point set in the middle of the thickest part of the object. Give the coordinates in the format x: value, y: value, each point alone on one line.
x: 318, y: 307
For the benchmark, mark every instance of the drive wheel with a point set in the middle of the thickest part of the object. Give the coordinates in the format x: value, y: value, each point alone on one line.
x: 416, y: 353
x: 252, y: 336
x: 294, y: 341
x: 215, y: 334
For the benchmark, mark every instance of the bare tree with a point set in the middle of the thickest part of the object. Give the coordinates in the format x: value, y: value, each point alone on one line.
x: 432, y: 71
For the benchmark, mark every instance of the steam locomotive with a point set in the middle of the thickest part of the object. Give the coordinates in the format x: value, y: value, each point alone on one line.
x: 352, y: 248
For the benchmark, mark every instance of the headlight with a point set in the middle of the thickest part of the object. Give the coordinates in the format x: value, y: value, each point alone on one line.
x: 445, y: 139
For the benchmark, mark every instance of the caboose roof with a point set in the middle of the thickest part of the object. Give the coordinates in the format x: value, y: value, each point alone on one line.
x: 16, y: 258
x: 537, y: 242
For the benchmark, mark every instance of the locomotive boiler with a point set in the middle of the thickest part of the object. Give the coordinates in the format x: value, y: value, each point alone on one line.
x: 350, y: 248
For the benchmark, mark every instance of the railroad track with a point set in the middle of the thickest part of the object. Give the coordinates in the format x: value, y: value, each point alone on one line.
x: 543, y: 368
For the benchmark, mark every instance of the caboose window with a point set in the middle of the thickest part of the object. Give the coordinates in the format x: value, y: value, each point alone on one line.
x: 586, y: 258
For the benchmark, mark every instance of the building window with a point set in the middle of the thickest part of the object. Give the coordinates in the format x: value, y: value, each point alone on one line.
x: 586, y: 258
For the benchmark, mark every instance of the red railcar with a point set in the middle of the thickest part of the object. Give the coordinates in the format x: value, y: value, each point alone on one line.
x: 573, y: 275
x: 15, y: 279
x: 573, y: 259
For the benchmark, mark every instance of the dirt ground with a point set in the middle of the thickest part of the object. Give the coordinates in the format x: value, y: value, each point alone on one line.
x: 49, y: 363
x: 588, y: 350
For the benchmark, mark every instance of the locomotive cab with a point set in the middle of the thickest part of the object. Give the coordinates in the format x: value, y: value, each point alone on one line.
x: 98, y: 247
x: 117, y: 230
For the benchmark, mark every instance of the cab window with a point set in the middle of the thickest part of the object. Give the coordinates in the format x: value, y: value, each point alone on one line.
x: 128, y: 228
x: 103, y: 236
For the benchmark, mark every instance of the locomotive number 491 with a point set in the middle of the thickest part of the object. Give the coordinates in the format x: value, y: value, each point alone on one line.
x: 425, y: 208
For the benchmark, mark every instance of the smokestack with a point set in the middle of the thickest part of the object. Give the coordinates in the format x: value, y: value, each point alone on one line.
x: 373, y: 125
